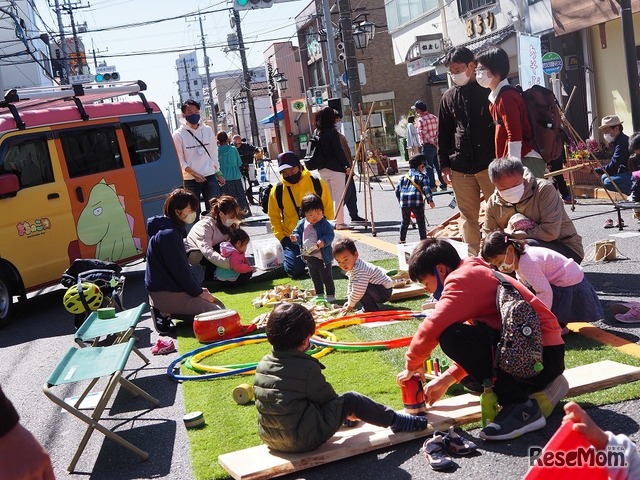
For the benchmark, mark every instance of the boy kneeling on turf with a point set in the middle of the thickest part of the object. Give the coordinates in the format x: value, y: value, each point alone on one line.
x: 368, y: 284
x: 298, y: 410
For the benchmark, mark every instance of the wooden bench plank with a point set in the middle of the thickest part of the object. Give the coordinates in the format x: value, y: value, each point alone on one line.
x: 363, y: 438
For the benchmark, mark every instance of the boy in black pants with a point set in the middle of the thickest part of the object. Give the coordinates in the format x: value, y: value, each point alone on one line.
x: 298, y: 410
x: 315, y: 234
x: 412, y: 192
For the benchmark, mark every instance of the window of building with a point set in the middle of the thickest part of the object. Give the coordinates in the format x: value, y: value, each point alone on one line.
x: 400, y: 12
x: 468, y: 6
x: 143, y: 141
x: 195, y: 83
x: 29, y: 159
x: 91, y: 150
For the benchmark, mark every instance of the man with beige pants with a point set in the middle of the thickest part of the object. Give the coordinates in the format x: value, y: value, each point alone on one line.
x: 466, y: 143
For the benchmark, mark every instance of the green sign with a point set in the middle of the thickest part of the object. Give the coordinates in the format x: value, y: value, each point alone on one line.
x: 551, y: 63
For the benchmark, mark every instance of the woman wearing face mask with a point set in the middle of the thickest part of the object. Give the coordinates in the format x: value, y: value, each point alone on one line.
x: 513, y: 130
x: 230, y: 163
x: 204, y: 238
x: 617, y: 169
x: 556, y: 280
x: 517, y: 191
x: 466, y: 323
x: 172, y: 287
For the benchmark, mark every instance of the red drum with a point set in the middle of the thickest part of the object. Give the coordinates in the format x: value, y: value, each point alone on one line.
x: 219, y: 325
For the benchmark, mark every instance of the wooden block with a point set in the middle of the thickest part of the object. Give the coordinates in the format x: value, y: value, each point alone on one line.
x: 410, y: 291
x: 459, y: 410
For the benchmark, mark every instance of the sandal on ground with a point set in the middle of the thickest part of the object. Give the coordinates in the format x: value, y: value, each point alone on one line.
x: 608, y: 223
x: 457, y: 445
x: 435, y: 451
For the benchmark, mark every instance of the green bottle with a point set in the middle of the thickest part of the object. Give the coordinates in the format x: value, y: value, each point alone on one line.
x: 488, y: 403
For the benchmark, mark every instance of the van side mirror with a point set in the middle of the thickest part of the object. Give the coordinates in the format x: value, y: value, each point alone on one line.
x: 9, y: 185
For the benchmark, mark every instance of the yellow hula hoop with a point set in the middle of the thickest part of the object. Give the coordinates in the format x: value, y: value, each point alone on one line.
x: 197, y: 358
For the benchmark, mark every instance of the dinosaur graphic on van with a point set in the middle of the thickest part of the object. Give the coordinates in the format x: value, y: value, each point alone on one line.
x: 105, y: 224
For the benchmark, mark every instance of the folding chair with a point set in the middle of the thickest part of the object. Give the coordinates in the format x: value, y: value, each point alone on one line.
x: 122, y: 325
x: 82, y: 364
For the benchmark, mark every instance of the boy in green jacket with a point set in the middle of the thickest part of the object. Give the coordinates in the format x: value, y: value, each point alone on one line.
x: 298, y: 410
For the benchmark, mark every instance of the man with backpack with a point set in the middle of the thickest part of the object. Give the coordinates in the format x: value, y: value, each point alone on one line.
x: 284, y: 207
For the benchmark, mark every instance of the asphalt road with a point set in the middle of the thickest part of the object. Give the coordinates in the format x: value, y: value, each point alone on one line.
x: 42, y: 331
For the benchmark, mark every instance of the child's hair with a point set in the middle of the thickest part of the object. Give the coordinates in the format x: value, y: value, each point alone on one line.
x: 311, y: 201
x: 496, y: 60
x: 222, y: 138
x: 289, y: 325
x: 428, y: 254
x: 344, y: 245
x: 417, y: 160
x: 496, y: 244
x: 411, y: 118
x: 238, y: 235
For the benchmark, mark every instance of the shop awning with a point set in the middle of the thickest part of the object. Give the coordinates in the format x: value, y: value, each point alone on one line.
x: 573, y: 15
x: 271, y: 118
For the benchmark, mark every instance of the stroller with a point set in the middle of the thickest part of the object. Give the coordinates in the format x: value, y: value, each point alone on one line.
x: 105, y: 275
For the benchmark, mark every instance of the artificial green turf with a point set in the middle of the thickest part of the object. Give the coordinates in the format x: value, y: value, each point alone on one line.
x: 231, y: 427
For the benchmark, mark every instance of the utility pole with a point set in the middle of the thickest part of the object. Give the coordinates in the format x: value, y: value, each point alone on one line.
x: 69, y: 8
x: 175, y: 114
x: 351, y: 62
x: 212, y: 105
x: 334, y: 78
x: 274, y: 97
x: 64, y: 75
x: 255, y: 137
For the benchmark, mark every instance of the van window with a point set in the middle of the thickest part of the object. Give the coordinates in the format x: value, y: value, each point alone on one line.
x: 143, y: 141
x: 29, y: 159
x: 91, y: 150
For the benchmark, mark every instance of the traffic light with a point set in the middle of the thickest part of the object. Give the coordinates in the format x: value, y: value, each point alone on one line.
x: 252, y: 4
x: 107, y: 77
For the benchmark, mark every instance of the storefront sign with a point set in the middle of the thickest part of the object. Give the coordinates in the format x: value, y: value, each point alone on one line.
x: 421, y: 65
x: 552, y: 63
x: 530, y: 60
x: 480, y: 24
x: 429, y: 45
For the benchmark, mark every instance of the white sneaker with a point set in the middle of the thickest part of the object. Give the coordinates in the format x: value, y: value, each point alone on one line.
x: 331, y: 298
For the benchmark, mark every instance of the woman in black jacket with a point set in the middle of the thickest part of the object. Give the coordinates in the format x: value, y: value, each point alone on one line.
x: 335, y: 166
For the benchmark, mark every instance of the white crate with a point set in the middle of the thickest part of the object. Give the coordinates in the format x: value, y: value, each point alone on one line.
x: 267, y: 253
x: 406, y: 249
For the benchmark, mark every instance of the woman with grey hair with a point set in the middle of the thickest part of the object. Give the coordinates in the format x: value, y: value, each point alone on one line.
x: 533, y: 199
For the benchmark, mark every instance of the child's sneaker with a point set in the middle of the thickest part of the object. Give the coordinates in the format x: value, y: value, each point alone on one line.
x: 623, y: 307
x: 162, y: 347
x: 331, y: 298
x: 549, y: 397
x: 515, y: 420
x: 457, y: 445
x: 632, y: 316
x: 435, y: 451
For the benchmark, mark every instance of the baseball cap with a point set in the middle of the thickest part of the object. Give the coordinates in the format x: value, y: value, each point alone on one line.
x: 288, y: 160
x: 420, y: 105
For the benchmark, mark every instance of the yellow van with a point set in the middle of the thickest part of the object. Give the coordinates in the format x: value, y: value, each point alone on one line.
x: 80, y: 172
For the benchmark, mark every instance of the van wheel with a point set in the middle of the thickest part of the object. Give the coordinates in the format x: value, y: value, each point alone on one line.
x: 6, y: 303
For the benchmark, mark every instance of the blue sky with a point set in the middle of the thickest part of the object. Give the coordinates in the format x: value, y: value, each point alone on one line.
x: 158, y: 70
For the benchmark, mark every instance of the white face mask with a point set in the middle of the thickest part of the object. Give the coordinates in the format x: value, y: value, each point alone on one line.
x: 460, y: 79
x: 190, y: 218
x: 505, y: 267
x: 609, y: 138
x: 513, y: 194
x: 482, y: 78
x: 230, y: 222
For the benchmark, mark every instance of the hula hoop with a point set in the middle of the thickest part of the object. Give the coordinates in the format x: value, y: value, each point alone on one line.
x: 369, y: 317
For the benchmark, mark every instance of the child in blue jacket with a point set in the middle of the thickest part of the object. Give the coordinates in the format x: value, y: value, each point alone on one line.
x: 413, y: 192
x: 314, y: 234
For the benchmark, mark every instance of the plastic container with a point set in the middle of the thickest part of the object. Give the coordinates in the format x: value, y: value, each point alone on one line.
x: 406, y: 249
x: 488, y: 403
x: 268, y: 254
x: 566, y: 440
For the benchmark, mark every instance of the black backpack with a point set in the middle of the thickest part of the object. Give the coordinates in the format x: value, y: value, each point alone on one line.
x: 314, y: 158
x: 265, y: 192
x: 548, y: 135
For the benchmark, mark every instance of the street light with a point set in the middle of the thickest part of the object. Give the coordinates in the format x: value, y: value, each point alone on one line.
x: 280, y: 79
x: 363, y: 32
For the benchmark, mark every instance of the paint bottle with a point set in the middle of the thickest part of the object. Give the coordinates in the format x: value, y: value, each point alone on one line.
x: 488, y: 403
x: 413, y: 396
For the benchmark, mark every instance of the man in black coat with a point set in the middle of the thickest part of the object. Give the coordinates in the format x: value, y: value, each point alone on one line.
x: 466, y: 142
x: 246, y: 152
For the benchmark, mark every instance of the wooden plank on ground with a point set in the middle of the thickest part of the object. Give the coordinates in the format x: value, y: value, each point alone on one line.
x: 363, y: 438
x: 409, y: 291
